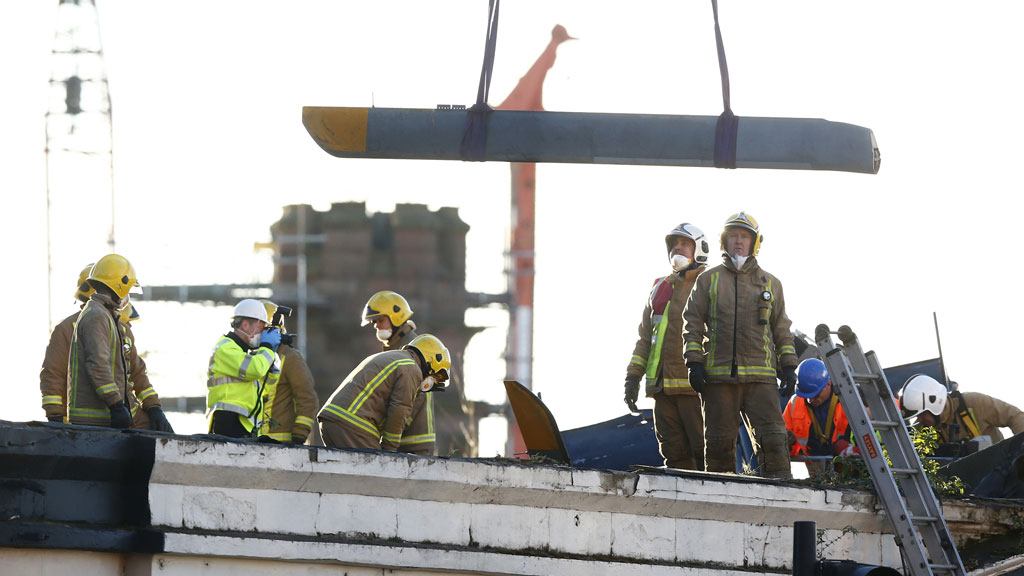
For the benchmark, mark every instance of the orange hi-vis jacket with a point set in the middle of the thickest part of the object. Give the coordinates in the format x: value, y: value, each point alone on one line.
x: 799, y: 417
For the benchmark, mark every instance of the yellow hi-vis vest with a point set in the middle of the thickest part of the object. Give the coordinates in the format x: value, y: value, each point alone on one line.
x: 234, y: 378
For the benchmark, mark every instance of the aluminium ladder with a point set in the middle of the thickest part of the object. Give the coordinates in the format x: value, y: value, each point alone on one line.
x: 916, y: 516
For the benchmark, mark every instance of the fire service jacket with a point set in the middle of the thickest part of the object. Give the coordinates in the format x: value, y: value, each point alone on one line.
x: 377, y: 396
x: 659, y: 347
x: 742, y: 316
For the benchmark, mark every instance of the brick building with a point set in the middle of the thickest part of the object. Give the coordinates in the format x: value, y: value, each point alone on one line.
x: 350, y: 255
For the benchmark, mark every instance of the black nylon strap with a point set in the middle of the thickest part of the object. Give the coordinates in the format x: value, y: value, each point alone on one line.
x: 727, y: 128
x: 474, y: 138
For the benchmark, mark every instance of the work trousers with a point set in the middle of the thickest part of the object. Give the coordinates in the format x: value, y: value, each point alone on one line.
x: 227, y: 424
x: 679, y: 427
x: 340, y: 435
x: 758, y: 404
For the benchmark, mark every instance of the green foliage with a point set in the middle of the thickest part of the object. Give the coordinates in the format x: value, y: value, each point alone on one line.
x: 853, y: 473
x: 925, y: 444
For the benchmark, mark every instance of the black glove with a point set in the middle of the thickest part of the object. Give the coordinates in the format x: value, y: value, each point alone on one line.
x: 632, y: 388
x: 788, y: 381
x: 157, y: 420
x: 58, y: 419
x: 698, y: 377
x: 120, y: 416
x: 296, y: 439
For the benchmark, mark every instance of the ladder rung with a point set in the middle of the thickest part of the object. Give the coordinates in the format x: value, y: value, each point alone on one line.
x: 865, y: 376
x: 950, y: 567
x: 905, y: 471
x: 885, y: 424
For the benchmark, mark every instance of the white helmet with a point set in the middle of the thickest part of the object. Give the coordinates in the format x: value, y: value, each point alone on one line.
x: 250, y: 308
x: 700, y: 242
x: 922, y: 393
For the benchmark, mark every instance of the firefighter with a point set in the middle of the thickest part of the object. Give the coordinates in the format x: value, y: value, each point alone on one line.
x: 815, y: 421
x: 658, y: 354
x: 969, y: 415
x: 290, y: 400
x: 99, y: 364
x: 239, y: 369
x: 389, y: 313
x: 53, y: 376
x: 741, y: 312
x: 372, y: 405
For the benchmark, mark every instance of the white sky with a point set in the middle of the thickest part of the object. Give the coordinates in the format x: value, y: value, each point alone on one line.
x: 209, y: 145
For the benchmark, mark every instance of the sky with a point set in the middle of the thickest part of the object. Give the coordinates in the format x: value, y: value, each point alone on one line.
x: 209, y: 145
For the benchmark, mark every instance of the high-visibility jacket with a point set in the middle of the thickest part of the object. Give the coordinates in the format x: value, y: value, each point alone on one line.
x: 376, y: 398
x: 235, y: 377
x: 726, y: 307
x: 290, y: 400
x: 659, y: 347
x: 98, y: 364
x: 830, y: 435
x: 419, y: 436
x: 971, y: 414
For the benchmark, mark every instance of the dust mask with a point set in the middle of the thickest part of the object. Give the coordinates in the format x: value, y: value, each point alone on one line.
x: 738, y: 261
x: 679, y: 262
x: 428, y: 384
x: 254, y: 339
x: 383, y: 335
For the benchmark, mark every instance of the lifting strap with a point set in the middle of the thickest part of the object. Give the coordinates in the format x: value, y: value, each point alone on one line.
x: 728, y: 125
x: 474, y: 139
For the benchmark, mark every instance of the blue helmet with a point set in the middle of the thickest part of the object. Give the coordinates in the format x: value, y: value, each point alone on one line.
x: 811, y: 378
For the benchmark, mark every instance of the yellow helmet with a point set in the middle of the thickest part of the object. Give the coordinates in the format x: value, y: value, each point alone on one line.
x: 128, y: 314
x: 747, y: 222
x: 115, y: 272
x: 439, y: 361
x: 387, y: 303
x: 271, y: 309
x: 84, y: 290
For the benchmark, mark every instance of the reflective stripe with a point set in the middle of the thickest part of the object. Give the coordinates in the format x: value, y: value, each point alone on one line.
x: 304, y: 421
x: 353, y: 419
x: 281, y: 436
x: 244, y: 367
x: 787, y: 349
x: 693, y: 347
x: 639, y: 360
x: 418, y: 439
x: 47, y: 400
x: 393, y: 438
x: 229, y: 407
x: 742, y: 371
x: 211, y: 382
x: 89, y: 412
x: 676, y: 383
x: 713, y: 325
x: 106, y: 389
x: 372, y: 384
x: 147, y: 393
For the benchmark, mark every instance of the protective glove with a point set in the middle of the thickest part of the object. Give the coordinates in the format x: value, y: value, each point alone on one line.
x: 846, y: 450
x: 58, y: 419
x: 296, y: 439
x: 157, y: 420
x: 271, y: 339
x: 632, y: 388
x: 698, y: 377
x: 788, y: 381
x: 120, y: 416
